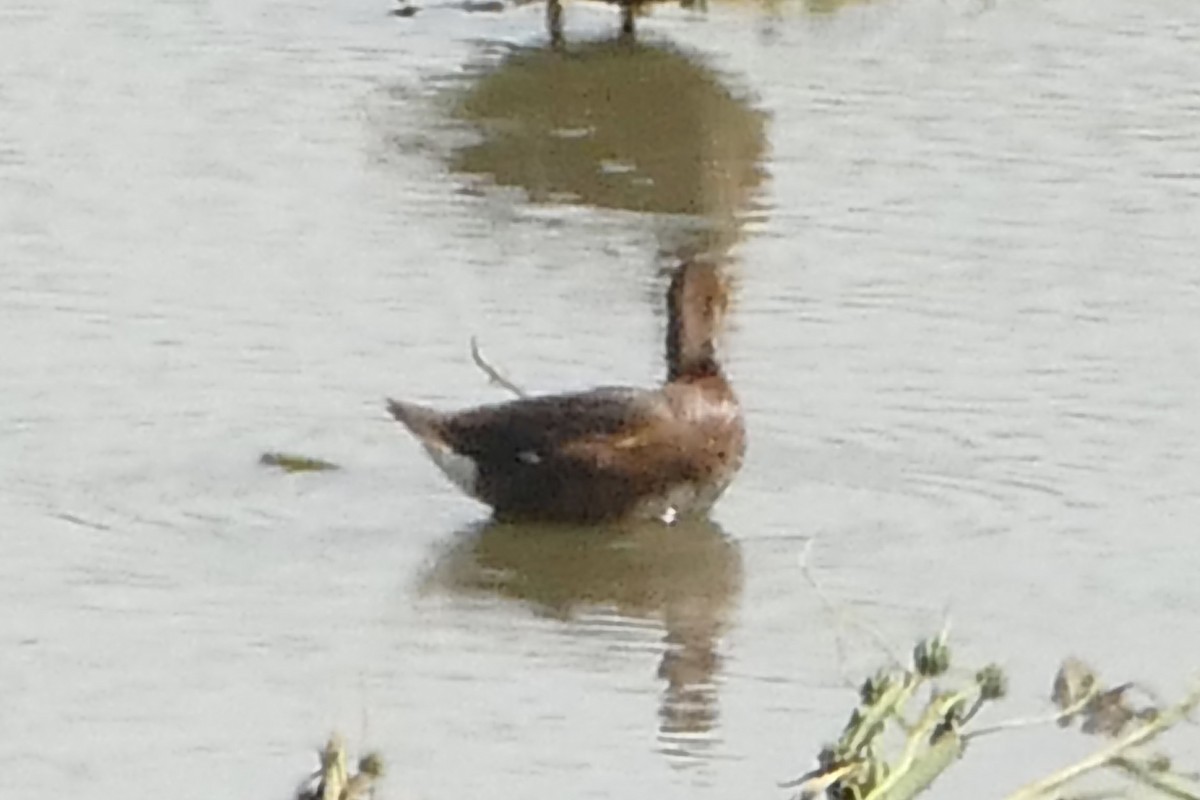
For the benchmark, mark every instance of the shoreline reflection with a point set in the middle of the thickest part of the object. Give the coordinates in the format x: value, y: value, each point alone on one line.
x: 637, y: 126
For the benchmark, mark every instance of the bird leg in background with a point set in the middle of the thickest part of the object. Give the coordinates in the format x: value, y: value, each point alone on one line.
x: 554, y: 16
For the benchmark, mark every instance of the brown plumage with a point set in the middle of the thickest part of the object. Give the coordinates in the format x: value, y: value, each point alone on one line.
x: 607, y: 453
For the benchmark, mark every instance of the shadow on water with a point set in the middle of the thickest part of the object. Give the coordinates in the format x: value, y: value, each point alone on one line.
x: 619, y: 125
x: 687, y: 578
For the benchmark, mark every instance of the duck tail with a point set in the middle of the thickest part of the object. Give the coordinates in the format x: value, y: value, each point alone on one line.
x: 429, y: 426
x: 425, y: 423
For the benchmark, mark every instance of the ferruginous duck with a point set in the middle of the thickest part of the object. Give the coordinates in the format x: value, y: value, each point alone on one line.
x: 609, y: 453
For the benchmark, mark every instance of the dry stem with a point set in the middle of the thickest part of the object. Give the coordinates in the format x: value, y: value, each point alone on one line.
x: 494, y: 376
x: 1110, y: 755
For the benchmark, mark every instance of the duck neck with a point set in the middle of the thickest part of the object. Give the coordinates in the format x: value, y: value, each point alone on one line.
x: 691, y: 352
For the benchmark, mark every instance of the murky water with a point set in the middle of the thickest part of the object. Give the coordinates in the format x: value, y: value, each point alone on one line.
x: 966, y: 336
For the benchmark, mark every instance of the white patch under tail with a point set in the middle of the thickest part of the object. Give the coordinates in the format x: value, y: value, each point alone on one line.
x: 462, y: 470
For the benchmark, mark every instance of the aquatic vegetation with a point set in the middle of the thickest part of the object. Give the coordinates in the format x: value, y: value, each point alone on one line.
x: 333, y: 780
x: 290, y: 462
x: 858, y: 765
x: 883, y: 754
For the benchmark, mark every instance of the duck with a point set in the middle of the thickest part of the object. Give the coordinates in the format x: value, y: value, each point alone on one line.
x: 610, y: 453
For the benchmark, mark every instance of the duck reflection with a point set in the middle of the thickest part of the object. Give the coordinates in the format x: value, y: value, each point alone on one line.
x: 686, y: 577
x: 635, y: 126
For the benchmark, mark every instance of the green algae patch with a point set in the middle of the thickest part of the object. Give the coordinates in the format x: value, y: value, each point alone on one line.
x: 292, y: 463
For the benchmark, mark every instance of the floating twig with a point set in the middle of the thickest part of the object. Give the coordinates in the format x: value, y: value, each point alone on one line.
x: 873, y: 633
x: 290, y: 462
x: 493, y: 374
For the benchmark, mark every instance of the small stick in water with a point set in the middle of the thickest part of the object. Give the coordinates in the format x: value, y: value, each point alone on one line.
x: 493, y: 375
x: 290, y: 462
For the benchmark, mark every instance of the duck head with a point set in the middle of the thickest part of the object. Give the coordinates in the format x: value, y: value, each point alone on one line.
x: 696, y: 303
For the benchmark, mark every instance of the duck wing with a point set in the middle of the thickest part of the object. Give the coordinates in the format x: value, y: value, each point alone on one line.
x: 581, y: 457
x: 538, y: 429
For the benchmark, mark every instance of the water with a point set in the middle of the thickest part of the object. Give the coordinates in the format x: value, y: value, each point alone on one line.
x: 964, y: 333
